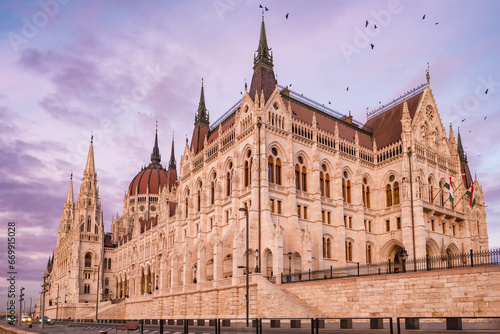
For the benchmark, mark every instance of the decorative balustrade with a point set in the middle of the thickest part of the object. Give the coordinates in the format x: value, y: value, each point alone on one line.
x: 390, y: 152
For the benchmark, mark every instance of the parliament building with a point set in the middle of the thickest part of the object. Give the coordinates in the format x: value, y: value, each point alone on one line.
x: 321, y: 190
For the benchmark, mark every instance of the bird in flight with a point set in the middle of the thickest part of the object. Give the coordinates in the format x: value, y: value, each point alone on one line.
x: 463, y: 120
x: 331, y: 103
x: 266, y: 9
x: 485, y: 117
x: 437, y: 23
x: 260, y: 6
x: 347, y: 88
x: 372, y: 46
x: 423, y: 17
x: 375, y: 26
x: 286, y: 16
x: 366, y: 24
x: 486, y: 92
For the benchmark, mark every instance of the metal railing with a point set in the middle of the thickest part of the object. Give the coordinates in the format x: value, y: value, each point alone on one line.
x: 441, y: 262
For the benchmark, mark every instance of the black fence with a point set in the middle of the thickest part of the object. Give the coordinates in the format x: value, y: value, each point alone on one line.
x: 463, y: 260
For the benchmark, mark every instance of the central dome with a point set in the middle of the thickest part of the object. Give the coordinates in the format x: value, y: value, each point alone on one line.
x: 154, y: 177
x: 151, y: 178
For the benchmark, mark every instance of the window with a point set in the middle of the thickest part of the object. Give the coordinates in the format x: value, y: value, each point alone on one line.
x: 106, y: 281
x: 444, y: 227
x: 278, y: 171
x: 88, y: 223
x: 227, y: 216
x: 348, y: 250
x: 329, y: 215
x: 350, y: 222
x: 86, y: 289
x: 88, y: 260
x: 398, y: 222
x: 327, y: 248
x: 369, y: 226
x: 392, y: 192
x: 272, y: 205
x: 187, y: 203
x: 346, y: 188
x: 211, y: 223
x: 366, y: 193
x: 345, y: 221
x: 305, y: 212
x: 247, y: 174
x: 212, y: 190
x: 109, y: 263
x: 454, y: 232
x: 270, y: 169
x: 198, y: 199
x: 387, y: 225
x: 432, y: 225
x: 298, y: 211
x: 323, y: 216
x: 95, y: 229
x: 301, y: 175
x: 279, y: 206
x: 368, y: 254
x: 228, y: 179
x: 431, y: 190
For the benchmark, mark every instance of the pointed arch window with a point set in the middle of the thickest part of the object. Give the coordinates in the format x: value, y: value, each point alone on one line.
x: 187, y: 204
x: 327, y: 185
x: 109, y: 263
x: 396, y: 193
x: 368, y: 254
x: 88, y: 260
x: 322, y: 183
x: 212, y: 192
x: 392, y: 191
x: 89, y: 221
x: 304, y: 178
x: 228, y: 183
x: 278, y: 171
x: 247, y: 176
x: 348, y: 250
x: 270, y: 169
x: 199, y: 199
x: 346, y: 187
x: 297, y: 177
x: 388, y: 195
x: 431, y: 190
x: 95, y: 229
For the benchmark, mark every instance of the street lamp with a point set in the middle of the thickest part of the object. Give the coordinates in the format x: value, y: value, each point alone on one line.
x: 194, y: 273
x: 403, y: 255
x: 290, y: 266
x: 256, y: 260
x: 247, y: 266
x: 97, y: 293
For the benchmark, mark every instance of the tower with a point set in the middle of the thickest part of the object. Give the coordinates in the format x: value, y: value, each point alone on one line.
x: 201, y: 125
x: 68, y: 215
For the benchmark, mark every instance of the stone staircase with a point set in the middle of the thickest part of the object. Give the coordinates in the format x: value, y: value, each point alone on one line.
x: 110, y: 310
x: 284, y: 303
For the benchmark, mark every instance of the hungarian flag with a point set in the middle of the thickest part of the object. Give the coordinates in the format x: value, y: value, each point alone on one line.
x: 449, y: 186
x: 470, y: 193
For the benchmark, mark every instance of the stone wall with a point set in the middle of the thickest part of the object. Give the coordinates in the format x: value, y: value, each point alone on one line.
x: 455, y: 292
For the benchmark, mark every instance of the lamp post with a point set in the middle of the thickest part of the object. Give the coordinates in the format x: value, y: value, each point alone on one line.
x: 290, y: 266
x: 247, y: 266
x: 194, y: 273
x: 403, y: 255
x: 412, y: 218
x: 97, y: 294
x: 257, y: 261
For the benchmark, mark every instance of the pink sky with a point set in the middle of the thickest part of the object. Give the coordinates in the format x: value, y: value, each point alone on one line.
x: 70, y: 68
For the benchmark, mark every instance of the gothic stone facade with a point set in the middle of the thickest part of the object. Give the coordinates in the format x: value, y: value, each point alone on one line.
x: 321, y: 190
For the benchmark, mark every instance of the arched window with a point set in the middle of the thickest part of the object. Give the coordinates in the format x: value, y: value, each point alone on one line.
x: 431, y: 190
x: 89, y: 221
x: 297, y: 177
x: 368, y: 197
x: 270, y: 171
x: 81, y: 227
x: 348, y: 250
x: 388, y: 195
x: 228, y: 183
x: 109, y: 263
x: 368, y: 254
x: 441, y: 197
x: 247, y: 174
x: 199, y: 199
x: 328, y: 248
x: 396, y: 193
x: 278, y: 171
x: 106, y: 281
x: 322, y: 183
x: 304, y: 178
x: 95, y: 229
x: 327, y: 185
x: 187, y: 204
x: 212, y: 189
x: 324, y: 247
x: 88, y: 260
x: 346, y: 187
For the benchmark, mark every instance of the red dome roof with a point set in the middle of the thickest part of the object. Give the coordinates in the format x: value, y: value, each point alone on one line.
x: 155, y: 176
x: 152, y: 177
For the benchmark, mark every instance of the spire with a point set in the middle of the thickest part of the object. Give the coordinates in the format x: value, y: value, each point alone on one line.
x: 155, y: 156
x: 70, y: 197
x: 263, y: 56
x: 201, y: 117
x: 460, y: 150
x: 90, y: 168
x: 172, y: 164
x: 263, y: 79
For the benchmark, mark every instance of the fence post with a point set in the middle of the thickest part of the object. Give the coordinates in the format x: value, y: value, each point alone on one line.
x: 427, y: 262
x: 331, y: 271
x: 142, y: 326
x: 312, y: 325
x: 358, y: 268
x: 309, y: 274
x: 471, y: 258
x: 161, y: 326
x: 389, y: 266
x: 281, y: 278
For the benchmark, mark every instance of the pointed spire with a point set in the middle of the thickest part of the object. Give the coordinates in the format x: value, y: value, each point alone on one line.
x: 70, y: 197
x: 460, y: 149
x: 172, y: 164
x: 90, y: 168
x: 263, y: 56
x: 201, y: 117
x: 155, y: 156
x: 452, y: 135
